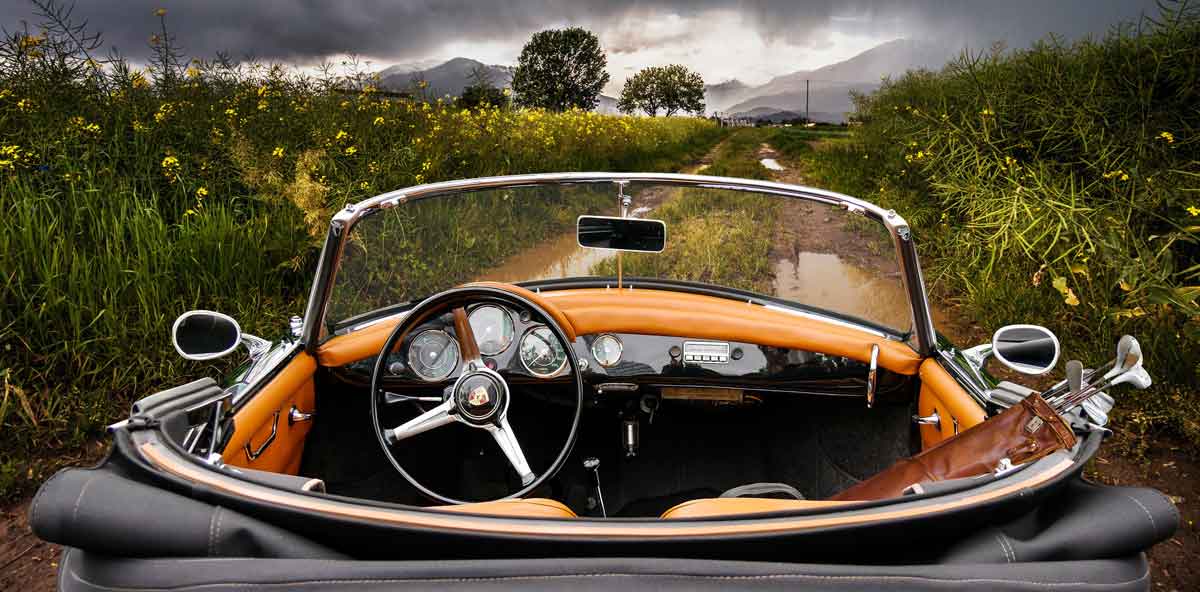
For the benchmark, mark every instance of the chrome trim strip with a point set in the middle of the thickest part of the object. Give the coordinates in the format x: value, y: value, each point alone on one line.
x: 163, y: 457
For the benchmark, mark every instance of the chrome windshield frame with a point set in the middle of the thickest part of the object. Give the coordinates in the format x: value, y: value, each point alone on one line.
x: 344, y: 220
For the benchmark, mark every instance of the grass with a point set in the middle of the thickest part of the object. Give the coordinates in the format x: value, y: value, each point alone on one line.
x: 715, y: 236
x: 1056, y: 185
x: 129, y: 196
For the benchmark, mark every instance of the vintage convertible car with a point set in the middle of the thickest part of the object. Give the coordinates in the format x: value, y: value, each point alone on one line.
x: 476, y: 398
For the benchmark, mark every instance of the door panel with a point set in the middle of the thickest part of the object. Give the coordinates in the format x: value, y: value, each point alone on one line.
x: 941, y: 394
x: 264, y: 438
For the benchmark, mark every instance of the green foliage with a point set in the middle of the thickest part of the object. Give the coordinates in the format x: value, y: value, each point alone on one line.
x: 482, y: 92
x: 1055, y: 185
x: 714, y: 236
x: 561, y: 69
x: 127, y: 197
x: 671, y: 88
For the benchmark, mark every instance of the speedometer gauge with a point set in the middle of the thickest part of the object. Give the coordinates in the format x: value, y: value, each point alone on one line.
x: 433, y: 355
x: 493, y: 329
x: 541, y: 352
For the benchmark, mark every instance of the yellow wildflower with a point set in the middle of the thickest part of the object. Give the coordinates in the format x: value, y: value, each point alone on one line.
x: 170, y: 162
x: 350, y: 150
x: 231, y: 112
x: 1168, y: 136
x: 379, y: 120
x: 192, y: 72
x: 364, y: 185
x: 201, y: 192
x: 277, y: 152
x: 341, y: 135
x: 138, y: 80
x: 263, y: 105
x: 1193, y: 210
x: 987, y: 112
x: 24, y: 104
x: 189, y: 212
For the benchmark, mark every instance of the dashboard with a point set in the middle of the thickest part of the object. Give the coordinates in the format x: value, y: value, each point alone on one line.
x: 525, y: 350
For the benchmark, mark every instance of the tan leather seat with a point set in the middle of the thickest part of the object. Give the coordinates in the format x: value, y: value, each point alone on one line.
x: 535, y: 507
x: 732, y: 506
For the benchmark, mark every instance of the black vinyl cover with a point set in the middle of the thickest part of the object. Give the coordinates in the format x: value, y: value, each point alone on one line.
x: 81, y: 571
x: 127, y: 534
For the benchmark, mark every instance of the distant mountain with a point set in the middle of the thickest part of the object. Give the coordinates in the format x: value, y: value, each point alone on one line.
x: 830, y: 86
x: 449, y: 78
x: 773, y: 115
x: 725, y: 93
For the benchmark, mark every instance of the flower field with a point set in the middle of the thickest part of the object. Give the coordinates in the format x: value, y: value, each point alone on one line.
x: 129, y: 196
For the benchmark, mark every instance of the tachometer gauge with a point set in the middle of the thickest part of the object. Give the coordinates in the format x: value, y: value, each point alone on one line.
x: 607, y: 350
x: 493, y: 329
x: 541, y: 352
x: 433, y: 355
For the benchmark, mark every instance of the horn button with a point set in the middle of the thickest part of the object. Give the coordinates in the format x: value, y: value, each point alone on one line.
x: 480, y: 397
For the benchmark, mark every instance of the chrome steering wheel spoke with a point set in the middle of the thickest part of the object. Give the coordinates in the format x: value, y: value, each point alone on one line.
x: 434, y: 418
x: 503, y: 433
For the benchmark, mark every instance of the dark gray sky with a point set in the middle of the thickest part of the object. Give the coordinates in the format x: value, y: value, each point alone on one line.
x: 748, y: 40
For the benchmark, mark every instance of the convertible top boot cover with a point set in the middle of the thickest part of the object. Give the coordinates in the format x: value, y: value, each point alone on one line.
x: 1022, y: 434
x: 81, y: 571
x: 99, y: 510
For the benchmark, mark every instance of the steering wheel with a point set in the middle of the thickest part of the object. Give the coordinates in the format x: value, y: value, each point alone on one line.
x: 480, y: 397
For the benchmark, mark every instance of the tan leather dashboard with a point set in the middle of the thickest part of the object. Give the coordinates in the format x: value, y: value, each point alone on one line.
x: 658, y: 312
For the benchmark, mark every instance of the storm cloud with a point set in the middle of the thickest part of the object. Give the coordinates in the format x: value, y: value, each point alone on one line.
x: 308, y: 31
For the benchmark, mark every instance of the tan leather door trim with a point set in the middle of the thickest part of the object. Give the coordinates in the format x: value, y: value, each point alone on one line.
x: 659, y: 312
x: 616, y: 529
x: 263, y: 438
x: 941, y: 394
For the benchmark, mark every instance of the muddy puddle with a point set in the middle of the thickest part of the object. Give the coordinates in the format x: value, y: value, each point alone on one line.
x: 826, y: 281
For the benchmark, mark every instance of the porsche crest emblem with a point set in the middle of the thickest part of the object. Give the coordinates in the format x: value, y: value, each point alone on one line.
x: 478, y: 397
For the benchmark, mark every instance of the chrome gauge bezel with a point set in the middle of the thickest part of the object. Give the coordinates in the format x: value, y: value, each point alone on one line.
x: 507, y: 318
x: 620, y: 350
x: 415, y: 367
x: 525, y: 364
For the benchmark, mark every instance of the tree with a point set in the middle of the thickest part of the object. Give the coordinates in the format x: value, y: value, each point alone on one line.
x: 482, y: 91
x: 560, y: 69
x: 672, y: 88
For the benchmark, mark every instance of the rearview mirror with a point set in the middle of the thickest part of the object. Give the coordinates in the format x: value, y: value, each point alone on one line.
x: 623, y: 234
x: 1028, y: 349
x: 205, y: 335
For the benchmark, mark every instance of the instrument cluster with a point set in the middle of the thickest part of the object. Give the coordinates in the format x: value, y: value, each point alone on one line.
x: 433, y: 353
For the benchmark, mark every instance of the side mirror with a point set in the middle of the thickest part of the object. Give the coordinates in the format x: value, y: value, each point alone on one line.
x: 1028, y: 349
x: 205, y: 335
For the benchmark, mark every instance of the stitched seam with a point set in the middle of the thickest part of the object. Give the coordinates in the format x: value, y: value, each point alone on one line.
x: 79, y: 500
x: 1010, y: 550
x: 1153, y: 524
x: 1145, y: 576
x: 37, y: 500
x: 212, y: 522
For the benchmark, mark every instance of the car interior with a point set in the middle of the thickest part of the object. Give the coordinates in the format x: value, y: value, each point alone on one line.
x: 694, y: 403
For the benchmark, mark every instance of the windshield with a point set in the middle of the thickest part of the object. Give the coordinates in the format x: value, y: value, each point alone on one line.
x: 805, y: 252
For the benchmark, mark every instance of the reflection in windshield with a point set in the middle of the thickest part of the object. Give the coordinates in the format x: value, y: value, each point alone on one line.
x: 807, y: 252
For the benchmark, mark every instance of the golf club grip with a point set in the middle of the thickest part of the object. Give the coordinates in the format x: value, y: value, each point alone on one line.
x: 1022, y: 433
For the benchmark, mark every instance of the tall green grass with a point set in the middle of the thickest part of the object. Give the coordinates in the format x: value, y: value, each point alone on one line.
x: 1058, y: 185
x: 129, y: 196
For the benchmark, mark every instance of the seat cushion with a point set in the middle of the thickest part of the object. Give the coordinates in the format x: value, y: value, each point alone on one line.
x: 731, y: 506
x: 535, y: 507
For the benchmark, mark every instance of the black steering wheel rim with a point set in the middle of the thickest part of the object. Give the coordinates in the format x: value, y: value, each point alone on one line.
x: 438, y: 304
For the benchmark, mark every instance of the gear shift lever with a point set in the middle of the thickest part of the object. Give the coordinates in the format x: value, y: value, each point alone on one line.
x: 592, y: 464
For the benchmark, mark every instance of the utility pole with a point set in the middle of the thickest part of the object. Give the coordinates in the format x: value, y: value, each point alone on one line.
x: 806, y: 119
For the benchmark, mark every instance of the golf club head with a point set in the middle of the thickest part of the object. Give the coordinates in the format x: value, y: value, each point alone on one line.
x: 1124, y: 346
x: 1074, y: 376
x: 1136, y: 377
x: 1097, y: 408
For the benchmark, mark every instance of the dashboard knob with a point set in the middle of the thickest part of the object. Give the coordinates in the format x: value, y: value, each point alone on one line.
x: 396, y: 368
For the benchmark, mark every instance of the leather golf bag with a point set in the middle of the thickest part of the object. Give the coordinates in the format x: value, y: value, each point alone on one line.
x: 1022, y: 433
